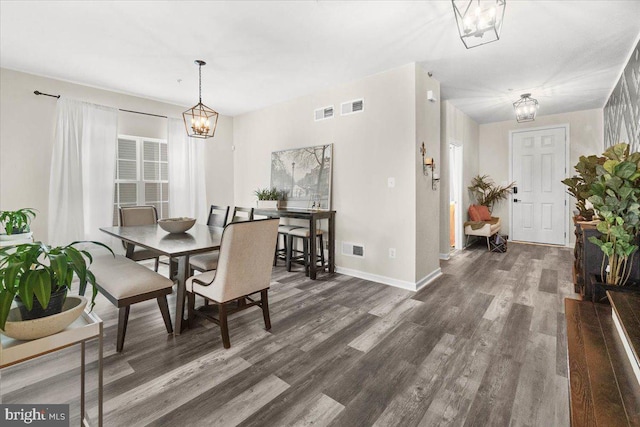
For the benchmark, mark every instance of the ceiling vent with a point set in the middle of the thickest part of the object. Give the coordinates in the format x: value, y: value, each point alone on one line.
x: 353, y: 249
x: 352, y: 107
x: 323, y: 113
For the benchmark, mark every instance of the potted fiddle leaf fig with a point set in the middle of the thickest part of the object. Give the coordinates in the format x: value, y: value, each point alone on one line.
x: 579, y: 186
x: 16, y: 223
x: 38, y: 277
x: 616, y: 200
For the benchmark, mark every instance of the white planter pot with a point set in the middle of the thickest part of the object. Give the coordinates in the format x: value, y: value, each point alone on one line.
x: 268, y: 204
x: 19, y: 236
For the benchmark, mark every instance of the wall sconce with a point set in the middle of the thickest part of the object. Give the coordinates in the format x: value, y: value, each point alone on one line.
x: 429, y: 163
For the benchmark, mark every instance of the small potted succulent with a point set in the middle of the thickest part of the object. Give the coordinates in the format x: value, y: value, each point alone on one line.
x: 16, y: 224
x: 38, y: 277
x: 268, y: 198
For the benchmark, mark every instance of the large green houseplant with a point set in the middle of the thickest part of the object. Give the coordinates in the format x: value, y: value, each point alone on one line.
x: 486, y: 192
x: 33, y: 272
x: 17, y: 222
x: 615, y: 196
x: 579, y: 186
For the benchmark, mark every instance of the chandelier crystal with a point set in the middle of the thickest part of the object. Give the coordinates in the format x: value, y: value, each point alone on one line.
x: 479, y: 21
x: 200, y: 121
x: 525, y: 108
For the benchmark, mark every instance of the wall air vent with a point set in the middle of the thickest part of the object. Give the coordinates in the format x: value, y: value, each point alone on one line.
x: 323, y: 113
x: 353, y: 249
x: 352, y: 107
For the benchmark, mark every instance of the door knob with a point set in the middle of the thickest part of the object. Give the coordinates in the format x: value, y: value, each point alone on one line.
x: 515, y: 200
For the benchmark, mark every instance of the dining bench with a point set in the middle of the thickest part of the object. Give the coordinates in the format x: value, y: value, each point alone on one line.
x: 125, y: 282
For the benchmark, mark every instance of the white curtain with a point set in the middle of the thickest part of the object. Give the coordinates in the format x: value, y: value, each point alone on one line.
x: 82, y: 172
x: 187, y: 194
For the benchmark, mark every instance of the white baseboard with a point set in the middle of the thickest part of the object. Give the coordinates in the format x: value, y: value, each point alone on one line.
x: 445, y: 257
x: 403, y: 284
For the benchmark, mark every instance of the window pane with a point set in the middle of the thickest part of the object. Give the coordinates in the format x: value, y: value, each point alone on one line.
x: 151, y: 171
x: 152, y: 192
x: 115, y: 215
x: 127, y: 169
x: 165, y: 210
x: 128, y: 193
x: 164, y: 172
x: 163, y: 152
x: 165, y: 192
x: 151, y: 151
x: 115, y: 194
x: 126, y: 149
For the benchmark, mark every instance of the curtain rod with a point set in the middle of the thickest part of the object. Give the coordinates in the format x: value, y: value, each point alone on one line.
x: 37, y: 92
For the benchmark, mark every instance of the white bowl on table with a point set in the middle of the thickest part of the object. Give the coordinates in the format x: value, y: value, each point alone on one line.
x: 176, y: 225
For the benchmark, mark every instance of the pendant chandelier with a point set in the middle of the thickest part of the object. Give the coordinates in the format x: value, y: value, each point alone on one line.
x: 479, y: 21
x: 200, y: 121
x: 525, y: 108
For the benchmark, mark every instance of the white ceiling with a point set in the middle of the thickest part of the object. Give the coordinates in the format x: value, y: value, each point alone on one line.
x: 568, y: 54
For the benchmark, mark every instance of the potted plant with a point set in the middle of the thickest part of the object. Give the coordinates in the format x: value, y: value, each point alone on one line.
x: 38, y: 277
x: 579, y: 186
x: 616, y: 200
x: 16, y: 223
x: 268, y: 198
x: 486, y: 192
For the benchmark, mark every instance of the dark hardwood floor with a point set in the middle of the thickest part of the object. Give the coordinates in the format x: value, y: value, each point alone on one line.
x: 483, y: 345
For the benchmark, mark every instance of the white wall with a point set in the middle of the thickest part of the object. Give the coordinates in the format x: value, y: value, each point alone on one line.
x: 427, y: 199
x: 586, y: 137
x: 458, y: 127
x: 26, y: 136
x: 369, y: 148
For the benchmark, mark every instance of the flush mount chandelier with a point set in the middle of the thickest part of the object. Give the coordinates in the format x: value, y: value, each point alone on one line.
x: 525, y: 108
x: 200, y: 121
x: 479, y: 21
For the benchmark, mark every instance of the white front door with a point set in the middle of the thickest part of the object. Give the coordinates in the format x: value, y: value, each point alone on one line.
x: 538, y: 164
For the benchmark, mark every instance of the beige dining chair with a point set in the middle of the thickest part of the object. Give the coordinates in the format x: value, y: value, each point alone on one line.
x: 140, y: 215
x: 244, y: 269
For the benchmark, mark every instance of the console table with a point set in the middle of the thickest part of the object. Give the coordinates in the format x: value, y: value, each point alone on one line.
x: 87, y: 327
x: 312, y: 216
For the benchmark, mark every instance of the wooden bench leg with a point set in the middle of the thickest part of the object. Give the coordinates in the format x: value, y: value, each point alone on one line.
x: 265, y: 308
x: 224, y: 327
x: 306, y: 255
x: 123, y: 318
x: 166, y: 316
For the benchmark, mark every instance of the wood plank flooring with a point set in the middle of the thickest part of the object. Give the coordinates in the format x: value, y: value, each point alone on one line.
x: 483, y: 345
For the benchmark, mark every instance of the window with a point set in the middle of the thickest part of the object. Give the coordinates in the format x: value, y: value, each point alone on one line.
x: 142, y: 177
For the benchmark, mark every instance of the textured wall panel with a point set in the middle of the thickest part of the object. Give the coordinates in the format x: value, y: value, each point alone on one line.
x: 622, y: 112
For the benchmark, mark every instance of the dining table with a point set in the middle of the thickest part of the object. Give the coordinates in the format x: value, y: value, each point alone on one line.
x: 177, y: 246
x: 312, y: 216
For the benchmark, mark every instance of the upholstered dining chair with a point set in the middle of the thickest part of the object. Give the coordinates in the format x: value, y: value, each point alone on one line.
x: 205, y: 262
x: 140, y: 215
x: 244, y: 269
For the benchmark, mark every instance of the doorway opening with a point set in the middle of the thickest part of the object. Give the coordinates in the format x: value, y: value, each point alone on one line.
x: 456, y: 210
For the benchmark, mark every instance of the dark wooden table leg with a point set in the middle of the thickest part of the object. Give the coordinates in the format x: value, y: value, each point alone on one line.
x: 130, y: 248
x: 183, y: 275
x: 312, y: 248
x: 332, y: 243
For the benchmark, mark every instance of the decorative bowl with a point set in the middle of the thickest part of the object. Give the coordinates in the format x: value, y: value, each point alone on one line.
x: 33, y: 329
x: 176, y: 225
